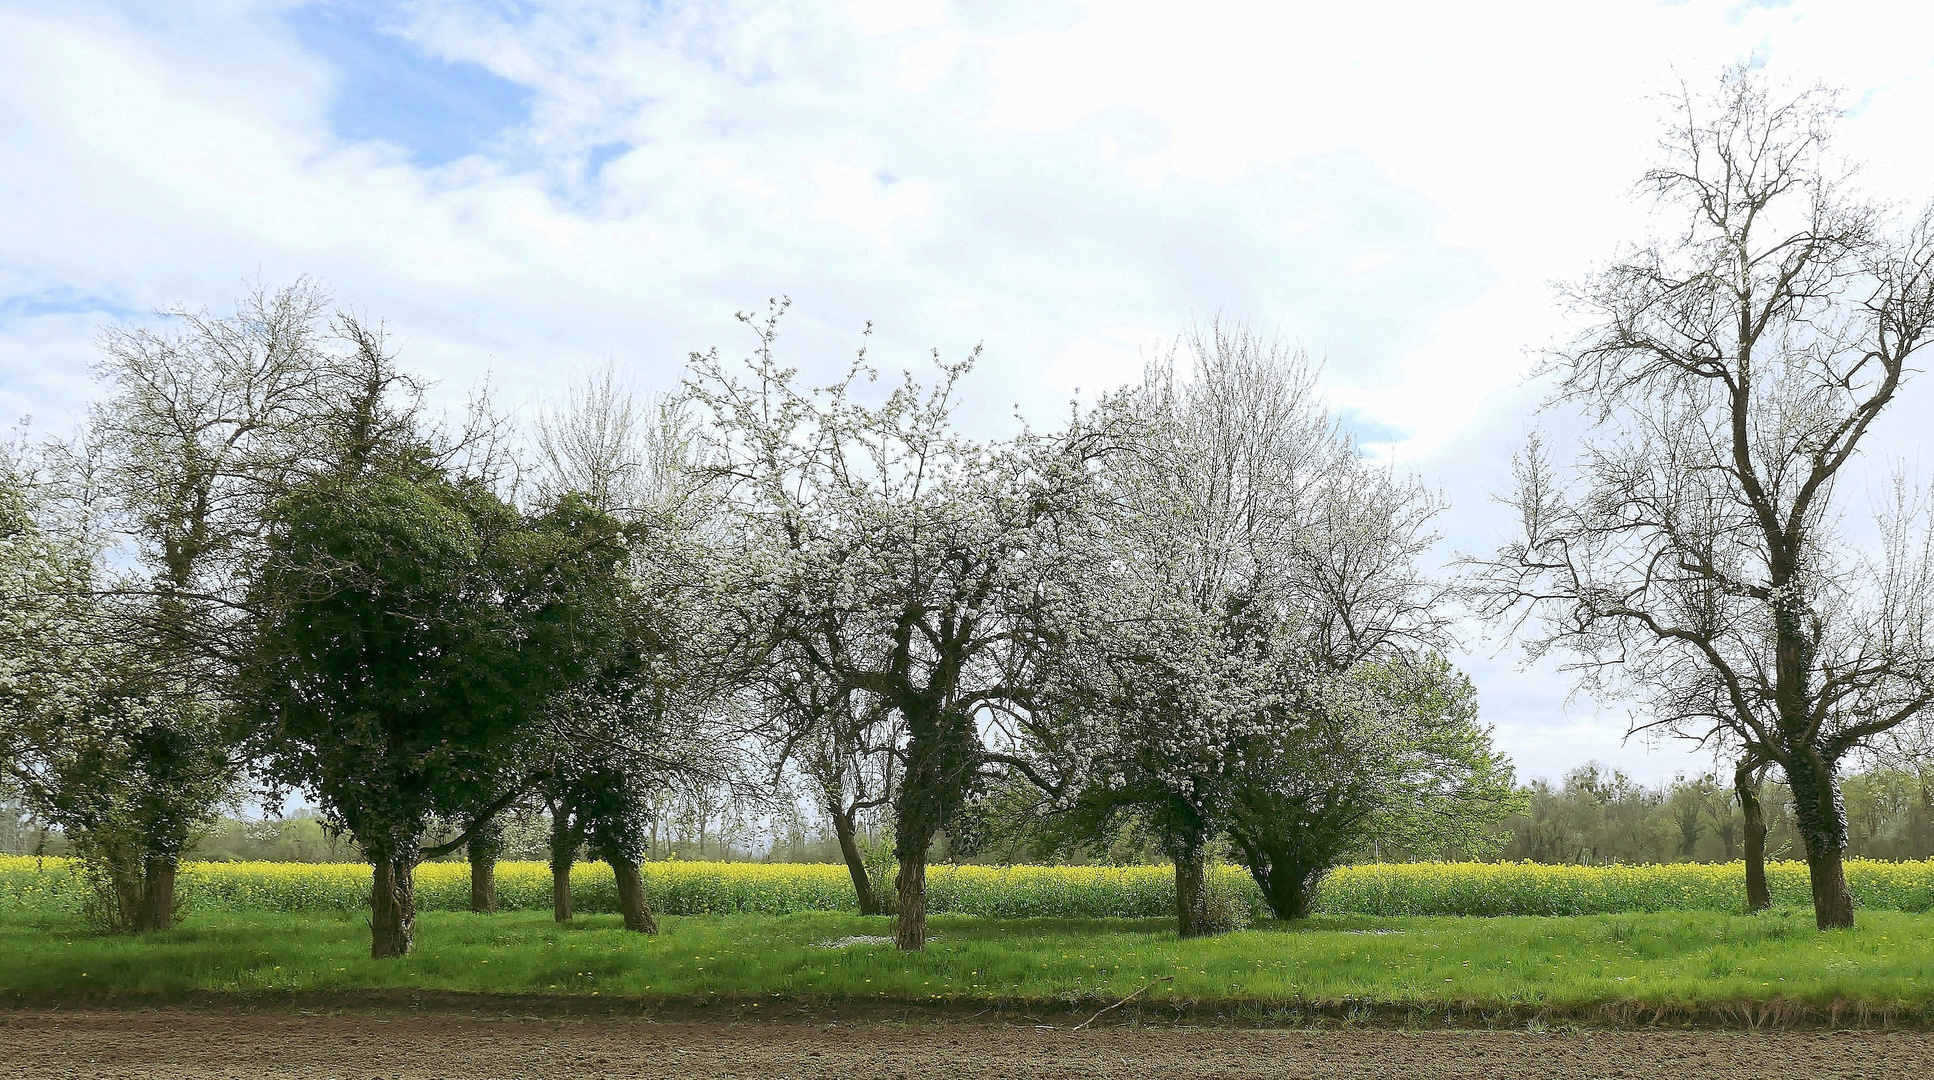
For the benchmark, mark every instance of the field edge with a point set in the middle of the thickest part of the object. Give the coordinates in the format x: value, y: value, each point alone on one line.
x: 1775, y: 1014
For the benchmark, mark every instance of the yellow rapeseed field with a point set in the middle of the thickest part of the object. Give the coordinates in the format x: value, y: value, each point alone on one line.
x: 697, y: 888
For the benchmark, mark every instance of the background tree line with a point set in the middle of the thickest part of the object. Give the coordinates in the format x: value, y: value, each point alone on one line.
x: 1593, y: 815
x: 1597, y: 815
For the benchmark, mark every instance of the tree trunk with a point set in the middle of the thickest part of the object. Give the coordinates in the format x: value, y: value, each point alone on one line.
x: 1832, y: 903
x: 910, y: 922
x: 1188, y: 895
x: 561, y: 888
x: 849, y: 848
x: 485, y: 846
x: 1290, y: 889
x: 1746, y: 785
x: 943, y: 749
x: 392, y: 909
x: 158, y: 893
x: 129, y: 906
x: 1823, y: 829
x: 631, y: 897
x: 483, y: 886
x: 564, y: 849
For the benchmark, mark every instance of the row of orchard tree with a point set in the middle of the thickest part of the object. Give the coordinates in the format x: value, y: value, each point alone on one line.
x: 1195, y: 606
x: 265, y: 564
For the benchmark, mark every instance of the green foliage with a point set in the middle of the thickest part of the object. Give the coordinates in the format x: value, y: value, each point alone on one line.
x: 417, y: 626
x: 1393, y: 753
x: 386, y: 665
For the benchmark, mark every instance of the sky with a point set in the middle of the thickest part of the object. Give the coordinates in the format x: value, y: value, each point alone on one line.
x: 527, y: 189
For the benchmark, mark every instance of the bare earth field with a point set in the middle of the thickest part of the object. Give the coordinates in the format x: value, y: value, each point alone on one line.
x: 205, y: 1042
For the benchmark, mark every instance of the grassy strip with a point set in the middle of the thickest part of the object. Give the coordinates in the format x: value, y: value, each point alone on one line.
x: 705, y: 888
x: 1675, y: 960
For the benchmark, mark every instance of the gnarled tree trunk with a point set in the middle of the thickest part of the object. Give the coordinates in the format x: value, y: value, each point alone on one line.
x: 1746, y: 786
x: 561, y: 888
x: 910, y: 921
x: 392, y: 908
x: 943, y: 751
x: 845, y: 829
x: 1289, y: 888
x: 486, y: 844
x: 157, y: 904
x: 1823, y: 830
x: 1188, y: 895
x: 483, y: 885
x: 632, y: 901
x: 1832, y: 902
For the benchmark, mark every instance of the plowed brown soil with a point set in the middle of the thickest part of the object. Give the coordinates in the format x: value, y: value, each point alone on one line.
x: 205, y: 1042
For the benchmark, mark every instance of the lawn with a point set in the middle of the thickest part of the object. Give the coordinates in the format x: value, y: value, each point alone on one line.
x: 1690, y: 959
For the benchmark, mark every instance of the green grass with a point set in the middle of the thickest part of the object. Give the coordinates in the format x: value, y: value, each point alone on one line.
x: 1675, y: 958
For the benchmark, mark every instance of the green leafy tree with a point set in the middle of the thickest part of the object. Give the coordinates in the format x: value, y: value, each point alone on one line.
x: 1390, y: 755
x: 416, y: 626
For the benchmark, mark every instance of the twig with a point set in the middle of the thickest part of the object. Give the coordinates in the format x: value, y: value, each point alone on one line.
x: 1123, y: 1001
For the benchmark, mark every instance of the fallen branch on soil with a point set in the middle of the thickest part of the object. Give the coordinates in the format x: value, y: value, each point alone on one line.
x: 1123, y: 1001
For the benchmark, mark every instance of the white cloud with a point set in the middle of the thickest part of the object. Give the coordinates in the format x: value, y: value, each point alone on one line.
x: 1393, y: 185
x: 1112, y: 356
x: 850, y: 195
x: 893, y: 16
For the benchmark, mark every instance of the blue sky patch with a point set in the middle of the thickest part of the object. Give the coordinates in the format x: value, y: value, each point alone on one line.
x: 60, y: 301
x: 601, y: 155
x: 1368, y: 429
x: 390, y: 90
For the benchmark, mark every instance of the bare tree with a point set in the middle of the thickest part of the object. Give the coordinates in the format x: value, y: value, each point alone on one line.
x: 625, y: 454
x: 1730, y: 370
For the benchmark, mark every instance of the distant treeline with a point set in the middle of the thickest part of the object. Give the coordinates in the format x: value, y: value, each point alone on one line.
x: 1597, y: 814
x: 302, y: 837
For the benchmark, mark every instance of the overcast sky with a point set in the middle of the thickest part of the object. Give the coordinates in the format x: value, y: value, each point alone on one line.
x: 527, y: 189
